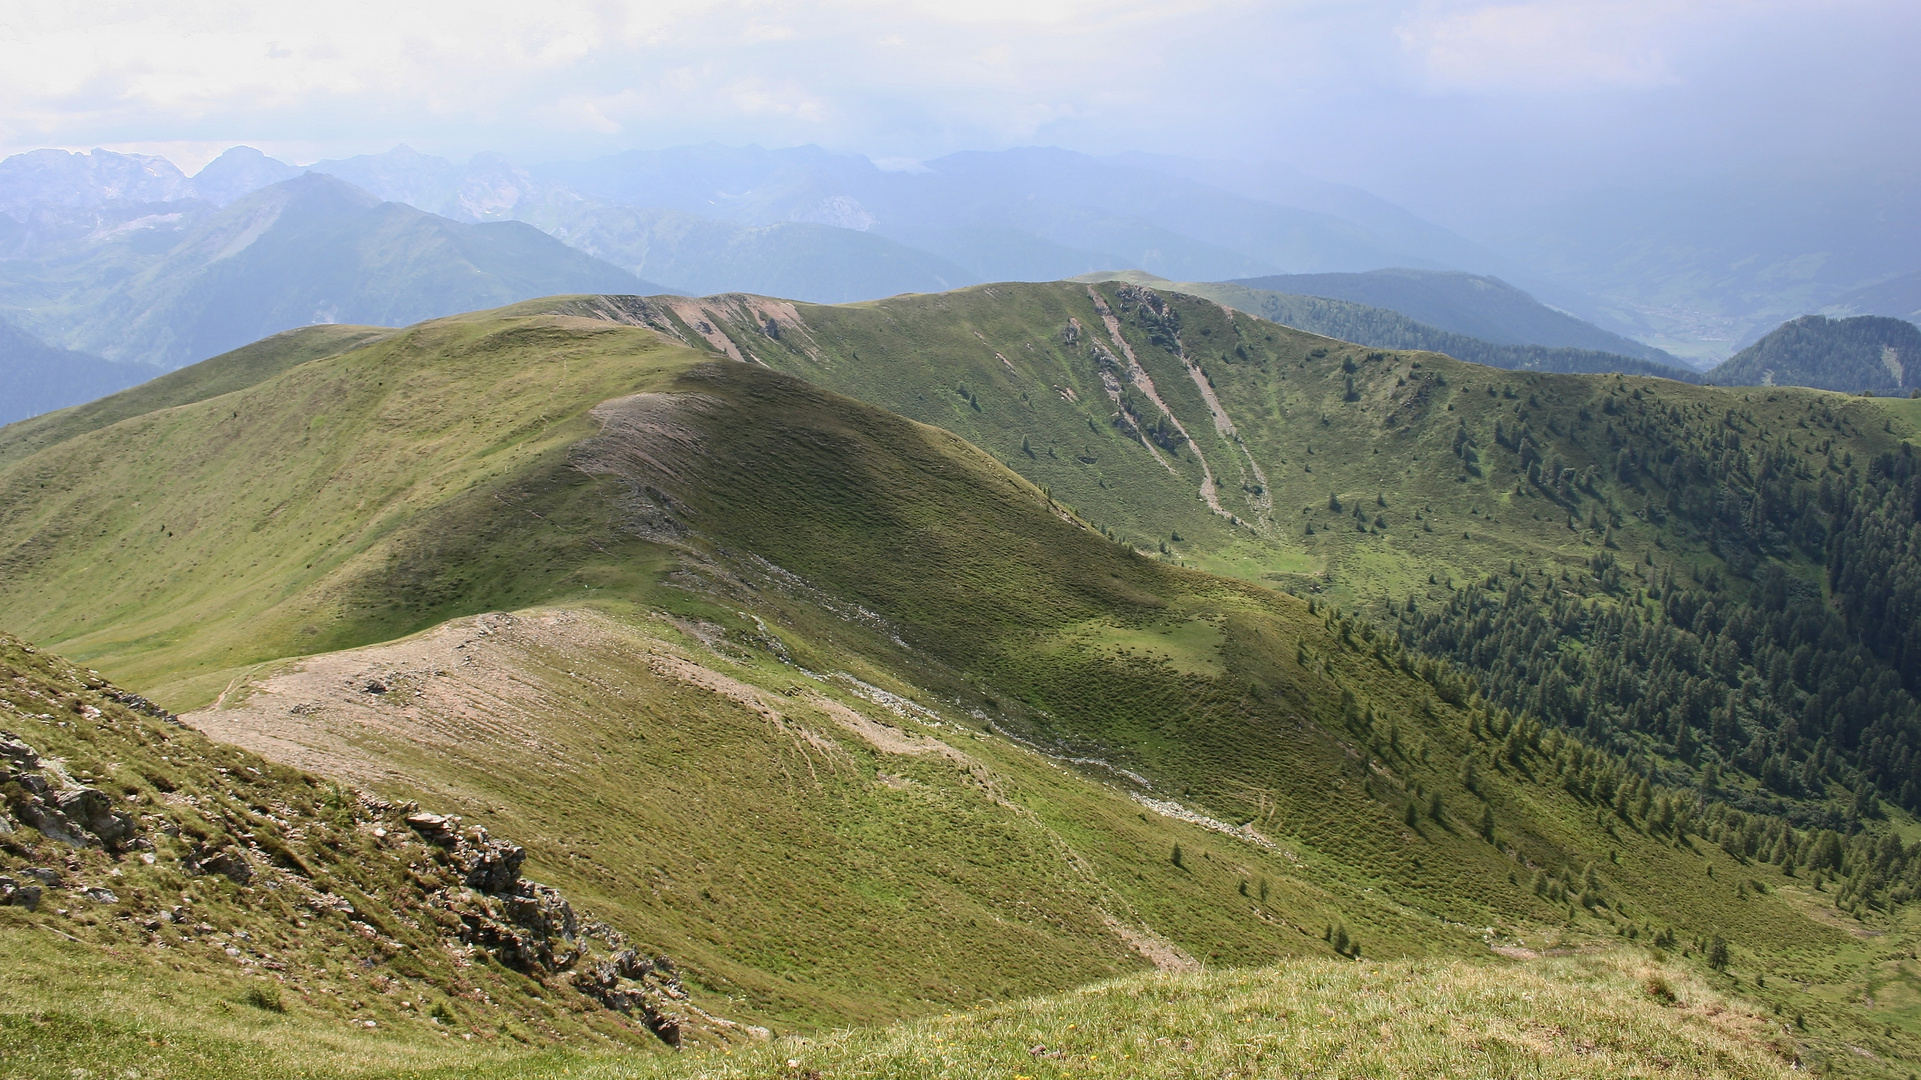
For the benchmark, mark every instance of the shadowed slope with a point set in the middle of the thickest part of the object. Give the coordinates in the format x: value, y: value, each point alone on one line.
x: 772, y: 607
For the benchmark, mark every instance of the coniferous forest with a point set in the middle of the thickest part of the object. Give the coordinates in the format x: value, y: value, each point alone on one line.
x: 1749, y: 706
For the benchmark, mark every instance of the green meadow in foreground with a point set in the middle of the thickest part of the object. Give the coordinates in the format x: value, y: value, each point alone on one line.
x: 857, y: 725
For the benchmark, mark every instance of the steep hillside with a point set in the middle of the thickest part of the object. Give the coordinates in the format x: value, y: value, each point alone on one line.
x: 790, y: 688
x: 236, y: 918
x: 174, y: 906
x: 1865, y: 352
x: 1600, y: 507
x: 1468, y: 304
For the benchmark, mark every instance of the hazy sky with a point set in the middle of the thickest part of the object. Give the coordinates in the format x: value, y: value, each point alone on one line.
x: 1429, y: 102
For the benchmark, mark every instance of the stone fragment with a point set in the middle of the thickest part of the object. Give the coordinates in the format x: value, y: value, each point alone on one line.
x: 227, y: 861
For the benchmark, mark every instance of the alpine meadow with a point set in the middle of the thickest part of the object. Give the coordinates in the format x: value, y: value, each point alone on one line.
x: 1112, y: 649
x: 1073, y: 541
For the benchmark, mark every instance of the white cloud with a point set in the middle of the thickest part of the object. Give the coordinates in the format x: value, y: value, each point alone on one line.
x: 1547, y: 44
x: 1353, y: 86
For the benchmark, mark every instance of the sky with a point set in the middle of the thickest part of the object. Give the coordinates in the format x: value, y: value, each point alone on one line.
x: 1449, y: 106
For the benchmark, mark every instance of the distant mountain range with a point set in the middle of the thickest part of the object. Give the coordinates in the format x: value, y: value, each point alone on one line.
x: 99, y: 296
x: 1382, y: 328
x: 38, y: 377
x: 40, y: 179
x: 1702, y: 271
x: 1865, y: 352
x: 1480, y: 307
x: 126, y: 258
x: 316, y: 249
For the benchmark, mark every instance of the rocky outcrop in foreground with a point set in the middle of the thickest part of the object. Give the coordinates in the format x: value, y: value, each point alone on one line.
x: 532, y: 927
x: 46, y: 798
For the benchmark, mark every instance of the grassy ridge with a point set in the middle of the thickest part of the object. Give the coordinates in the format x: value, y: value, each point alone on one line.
x: 241, y: 368
x: 456, y: 468
x: 1608, y: 1016
x: 182, y: 541
x: 995, y: 365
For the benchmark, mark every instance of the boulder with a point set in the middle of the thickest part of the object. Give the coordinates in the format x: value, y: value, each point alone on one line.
x: 18, y: 753
x: 17, y: 894
x: 74, y: 816
x: 435, y: 828
x: 53, y: 824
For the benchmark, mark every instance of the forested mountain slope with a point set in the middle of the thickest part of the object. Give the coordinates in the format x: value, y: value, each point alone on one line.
x: 793, y: 687
x: 1864, y: 352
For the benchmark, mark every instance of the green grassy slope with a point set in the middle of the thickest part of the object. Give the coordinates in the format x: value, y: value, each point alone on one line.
x: 223, y: 538
x: 1408, y: 444
x: 1562, y: 1018
x: 324, y: 941
x: 236, y: 370
x: 1397, y: 478
x: 502, y: 460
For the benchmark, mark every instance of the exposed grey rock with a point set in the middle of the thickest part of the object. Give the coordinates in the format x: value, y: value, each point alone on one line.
x: 228, y: 861
x: 18, y: 752
x: 435, y: 828
x: 19, y: 895
x: 93, y: 810
x: 486, y: 864
x: 639, y: 986
x: 531, y: 929
x: 100, y: 895
x: 139, y: 704
x: 53, y: 824
x: 75, y: 816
